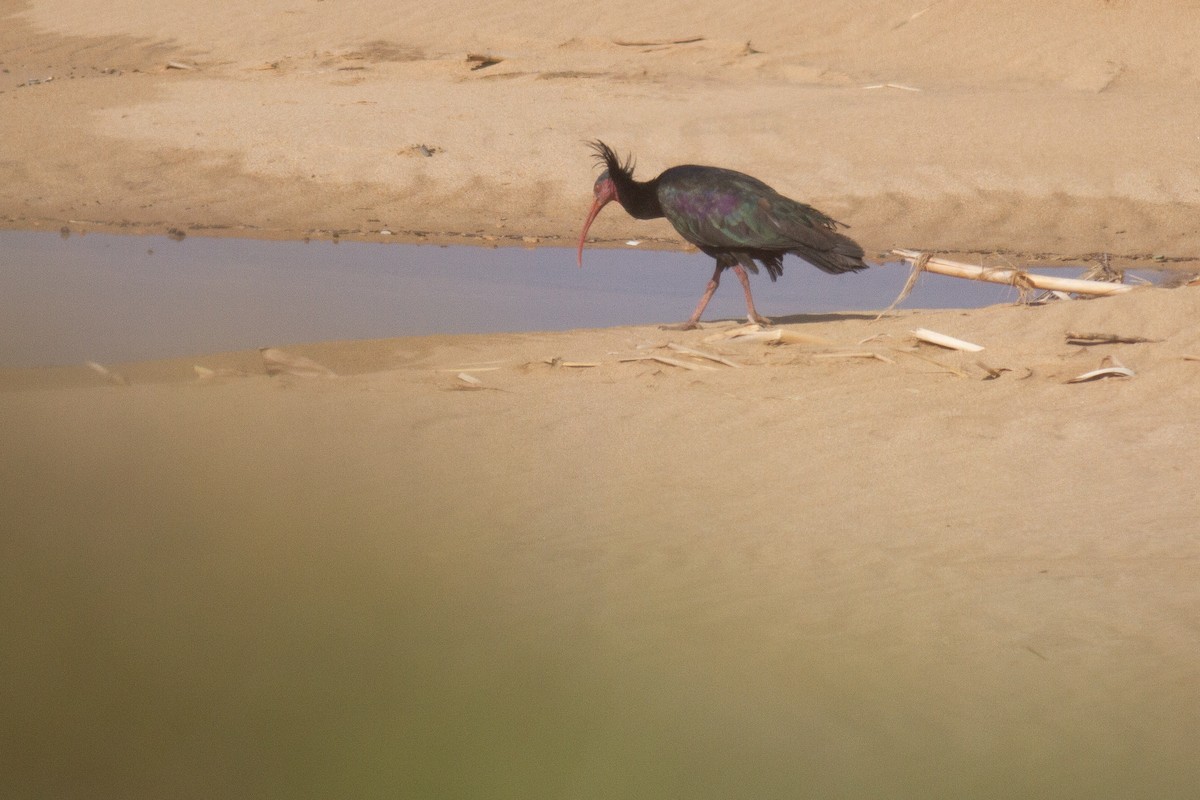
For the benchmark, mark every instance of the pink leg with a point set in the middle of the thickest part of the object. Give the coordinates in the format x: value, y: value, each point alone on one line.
x: 694, y: 320
x: 750, y: 312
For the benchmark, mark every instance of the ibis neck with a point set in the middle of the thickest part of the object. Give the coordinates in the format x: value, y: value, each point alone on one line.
x: 640, y: 199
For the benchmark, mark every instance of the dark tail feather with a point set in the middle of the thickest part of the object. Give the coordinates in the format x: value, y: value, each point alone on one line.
x: 774, y: 265
x: 842, y: 254
x: 772, y: 261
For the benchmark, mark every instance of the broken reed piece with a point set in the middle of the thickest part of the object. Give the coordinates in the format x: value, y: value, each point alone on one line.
x: 753, y: 333
x: 1109, y: 368
x: 1014, y: 277
x: 733, y: 333
x: 934, y: 361
x: 469, y: 383
x: 892, y: 86
x: 670, y: 362
x: 483, y: 60
x: 1106, y: 338
x: 656, y: 42
x: 278, y: 362
x: 559, y: 361
x: 208, y: 373
x: 992, y: 372
x: 678, y: 348
x: 856, y: 354
x: 115, y: 378
x: 918, y: 266
x: 942, y: 340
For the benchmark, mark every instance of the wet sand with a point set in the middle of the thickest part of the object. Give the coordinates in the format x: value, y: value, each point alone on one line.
x: 812, y: 574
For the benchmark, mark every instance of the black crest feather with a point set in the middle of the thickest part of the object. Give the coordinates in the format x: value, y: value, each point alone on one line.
x: 611, y: 161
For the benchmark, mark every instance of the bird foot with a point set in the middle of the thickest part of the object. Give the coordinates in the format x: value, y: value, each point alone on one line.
x: 690, y: 325
x: 759, y: 320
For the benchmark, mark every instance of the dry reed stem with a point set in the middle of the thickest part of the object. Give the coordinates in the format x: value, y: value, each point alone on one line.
x: 702, y: 354
x: 942, y: 340
x: 1014, y: 277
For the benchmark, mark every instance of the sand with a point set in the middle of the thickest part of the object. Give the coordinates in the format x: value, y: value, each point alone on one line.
x: 1029, y: 130
x: 812, y: 574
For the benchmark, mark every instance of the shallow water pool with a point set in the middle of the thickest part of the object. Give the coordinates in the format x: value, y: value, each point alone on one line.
x: 459, y: 595
x: 113, y: 298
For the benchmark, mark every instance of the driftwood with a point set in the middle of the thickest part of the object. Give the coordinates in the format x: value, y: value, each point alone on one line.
x: 1013, y: 277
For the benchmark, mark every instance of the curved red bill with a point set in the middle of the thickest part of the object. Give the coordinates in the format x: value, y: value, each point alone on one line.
x: 604, y: 192
x: 596, y: 206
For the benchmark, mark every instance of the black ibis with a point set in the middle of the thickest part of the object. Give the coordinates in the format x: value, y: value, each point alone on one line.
x: 736, y: 219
